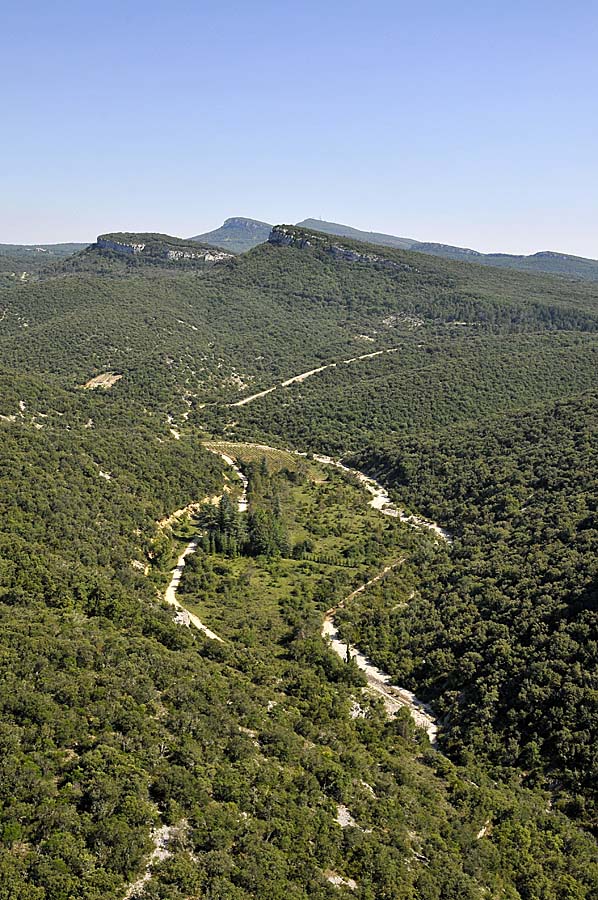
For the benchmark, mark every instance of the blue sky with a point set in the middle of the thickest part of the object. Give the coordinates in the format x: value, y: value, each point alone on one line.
x: 471, y: 123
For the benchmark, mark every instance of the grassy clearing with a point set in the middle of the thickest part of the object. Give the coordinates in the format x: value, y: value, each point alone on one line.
x: 247, y: 452
x: 255, y: 600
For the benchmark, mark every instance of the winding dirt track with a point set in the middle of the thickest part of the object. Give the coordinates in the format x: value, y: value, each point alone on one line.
x: 382, y: 502
x: 184, y: 616
x: 379, y: 682
x: 393, y: 697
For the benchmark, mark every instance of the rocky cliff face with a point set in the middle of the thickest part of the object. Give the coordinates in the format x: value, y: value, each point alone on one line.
x: 155, y: 247
x: 288, y: 236
x: 119, y: 246
x: 283, y: 235
x: 205, y: 255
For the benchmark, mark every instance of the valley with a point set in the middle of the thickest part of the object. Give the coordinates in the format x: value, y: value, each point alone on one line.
x: 394, y: 698
x: 421, y: 514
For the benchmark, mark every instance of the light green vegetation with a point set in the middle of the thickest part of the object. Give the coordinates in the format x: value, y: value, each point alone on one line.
x: 335, y: 541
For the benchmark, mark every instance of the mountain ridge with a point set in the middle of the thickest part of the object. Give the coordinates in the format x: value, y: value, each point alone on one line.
x: 133, y: 249
x: 239, y: 234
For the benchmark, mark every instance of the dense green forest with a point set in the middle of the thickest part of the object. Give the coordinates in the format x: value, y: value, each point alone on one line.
x: 272, y: 312
x: 423, y: 386
x: 503, y: 631
x: 252, y: 752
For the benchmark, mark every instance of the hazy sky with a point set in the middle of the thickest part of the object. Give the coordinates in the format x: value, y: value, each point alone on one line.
x: 472, y: 123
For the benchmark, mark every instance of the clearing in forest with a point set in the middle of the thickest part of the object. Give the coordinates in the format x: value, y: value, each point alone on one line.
x: 105, y: 380
x: 310, y: 538
x: 247, y: 452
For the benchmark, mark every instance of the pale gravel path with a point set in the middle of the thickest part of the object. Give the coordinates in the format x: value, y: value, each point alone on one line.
x: 382, y: 502
x: 380, y: 497
x: 299, y: 379
x: 184, y: 616
x: 244, y: 480
x: 393, y: 697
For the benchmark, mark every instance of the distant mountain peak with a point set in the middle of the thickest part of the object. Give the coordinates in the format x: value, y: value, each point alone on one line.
x: 237, y: 234
x: 245, y: 222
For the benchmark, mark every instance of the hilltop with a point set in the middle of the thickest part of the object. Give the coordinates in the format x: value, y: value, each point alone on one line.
x: 236, y: 235
x: 163, y: 247
x: 367, y: 237
x: 127, y: 252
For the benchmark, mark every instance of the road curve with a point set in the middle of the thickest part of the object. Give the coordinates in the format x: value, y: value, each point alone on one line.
x: 184, y: 617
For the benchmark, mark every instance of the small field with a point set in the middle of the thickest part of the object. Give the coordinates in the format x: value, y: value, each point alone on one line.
x: 246, y: 452
x: 334, y: 542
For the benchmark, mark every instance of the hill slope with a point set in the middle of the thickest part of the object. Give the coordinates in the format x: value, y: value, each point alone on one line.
x: 18, y: 261
x: 236, y: 235
x: 501, y: 634
x: 258, y: 764
x: 367, y: 237
x: 39, y: 251
x: 188, y: 328
x: 544, y: 261
x: 162, y: 247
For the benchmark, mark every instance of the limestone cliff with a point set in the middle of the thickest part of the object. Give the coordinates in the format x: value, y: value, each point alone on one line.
x: 159, y: 247
x: 288, y: 235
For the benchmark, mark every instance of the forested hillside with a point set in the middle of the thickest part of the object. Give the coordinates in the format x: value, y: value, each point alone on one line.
x: 224, y: 330
x: 239, y: 235
x: 259, y: 760
x: 555, y: 263
x: 32, y: 257
x: 503, y: 632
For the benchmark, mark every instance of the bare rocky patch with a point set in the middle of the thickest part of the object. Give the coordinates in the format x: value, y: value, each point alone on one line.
x: 105, y: 380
